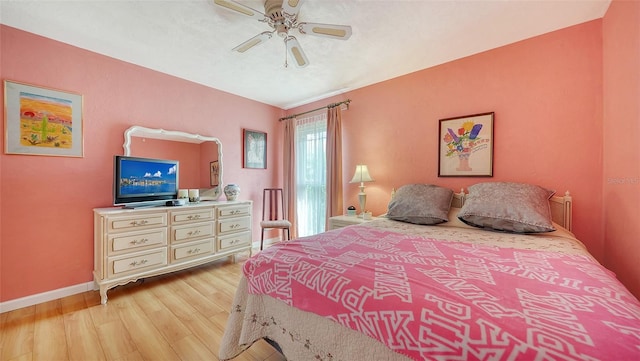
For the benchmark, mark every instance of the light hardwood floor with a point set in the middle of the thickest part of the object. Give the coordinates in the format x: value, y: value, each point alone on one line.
x: 180, y: 316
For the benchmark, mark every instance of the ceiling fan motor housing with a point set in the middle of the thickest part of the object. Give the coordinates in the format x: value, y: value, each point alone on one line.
x: 281, y: 22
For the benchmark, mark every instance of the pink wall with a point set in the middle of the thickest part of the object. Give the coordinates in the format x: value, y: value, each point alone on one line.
x: 546, y: 93
x: 46, y: 238
x: 621, y: 174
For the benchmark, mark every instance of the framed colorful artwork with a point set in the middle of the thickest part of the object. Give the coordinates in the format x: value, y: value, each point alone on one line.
x: 466, y: 146
x: 42, y: 121
x: 254, y: 154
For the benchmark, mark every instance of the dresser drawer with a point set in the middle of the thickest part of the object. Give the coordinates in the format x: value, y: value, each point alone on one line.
x: 234, y: 241
x: 234, y: 211
x: 193, y: 215
x: 192, y: 231
x: 191, y: 250
x: 131, y: 222
x: 119, y: 243
x: 140, y: 262
x: 233, y: 225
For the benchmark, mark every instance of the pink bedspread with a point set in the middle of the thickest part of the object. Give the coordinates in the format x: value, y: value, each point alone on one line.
x: 438, y: 300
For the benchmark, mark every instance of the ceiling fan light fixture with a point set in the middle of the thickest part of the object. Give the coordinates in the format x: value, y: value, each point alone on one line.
x: 282, y: 30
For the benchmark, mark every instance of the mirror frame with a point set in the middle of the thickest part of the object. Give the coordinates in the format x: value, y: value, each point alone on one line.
x: 177, y: 136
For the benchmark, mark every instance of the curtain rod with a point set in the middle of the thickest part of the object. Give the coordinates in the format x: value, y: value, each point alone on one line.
x: 313, y: 110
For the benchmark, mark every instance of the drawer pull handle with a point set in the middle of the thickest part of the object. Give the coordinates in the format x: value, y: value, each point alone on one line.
x: 235, y: 211
x: 139, y: 223
x: 234, y: 226
x: 235, y: 241
x: 139, y: 241
x: 194, y: 251
x: 195, y: 216
x: 136, y: 263
x: 194, y: 233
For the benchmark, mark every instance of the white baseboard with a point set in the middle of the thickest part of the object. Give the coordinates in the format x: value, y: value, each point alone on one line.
x: 72, y: 290
x: 45, y: 297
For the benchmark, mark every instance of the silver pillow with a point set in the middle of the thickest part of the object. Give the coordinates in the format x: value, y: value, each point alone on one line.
x: 420, y: 204
x: 508, y: 207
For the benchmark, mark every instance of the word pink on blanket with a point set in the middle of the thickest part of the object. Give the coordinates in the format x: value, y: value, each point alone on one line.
x: 431, y: 299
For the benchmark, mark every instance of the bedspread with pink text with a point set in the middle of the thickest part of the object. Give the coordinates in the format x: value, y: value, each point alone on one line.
x: 432, y: 299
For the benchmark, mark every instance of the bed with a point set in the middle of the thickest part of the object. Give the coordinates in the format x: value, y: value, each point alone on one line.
x: 495, y: 274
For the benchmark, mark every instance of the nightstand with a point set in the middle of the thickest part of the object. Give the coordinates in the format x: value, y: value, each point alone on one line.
x: 343, y: 221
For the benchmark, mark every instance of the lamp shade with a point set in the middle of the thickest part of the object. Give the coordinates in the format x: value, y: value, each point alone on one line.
x: 361, y: 174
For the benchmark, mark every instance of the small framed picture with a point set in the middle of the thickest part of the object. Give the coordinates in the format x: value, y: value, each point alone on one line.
x: 254, y: 153
x: 42, y: 121
x: 466, y: 146
x: 215, y: 172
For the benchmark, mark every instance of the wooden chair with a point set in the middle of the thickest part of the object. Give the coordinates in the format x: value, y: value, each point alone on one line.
x: 273, y: 213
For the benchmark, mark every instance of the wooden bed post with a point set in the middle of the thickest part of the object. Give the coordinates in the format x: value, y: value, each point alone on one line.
x: 567, y: 210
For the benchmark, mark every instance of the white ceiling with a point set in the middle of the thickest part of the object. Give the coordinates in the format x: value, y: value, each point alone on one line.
x: 192, y: 39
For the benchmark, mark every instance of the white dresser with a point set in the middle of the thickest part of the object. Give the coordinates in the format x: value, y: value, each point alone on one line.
x: 130, y: 244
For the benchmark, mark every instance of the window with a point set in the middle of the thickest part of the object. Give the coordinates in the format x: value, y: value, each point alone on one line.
x: 311, y: 174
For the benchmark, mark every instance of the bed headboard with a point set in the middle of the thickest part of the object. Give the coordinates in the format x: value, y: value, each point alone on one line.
x: 561, y: 212
x: 458, y: 199
x: 560, y: 207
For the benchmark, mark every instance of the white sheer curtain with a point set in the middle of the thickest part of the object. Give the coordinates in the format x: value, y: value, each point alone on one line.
x: 311, y: 174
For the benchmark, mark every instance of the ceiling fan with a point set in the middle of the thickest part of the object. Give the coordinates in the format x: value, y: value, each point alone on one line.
x: 282, y: 16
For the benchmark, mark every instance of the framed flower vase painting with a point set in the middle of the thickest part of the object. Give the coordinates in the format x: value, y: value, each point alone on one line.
x: 42, y: 121
x: 254, y: 154
x: 466, y: 146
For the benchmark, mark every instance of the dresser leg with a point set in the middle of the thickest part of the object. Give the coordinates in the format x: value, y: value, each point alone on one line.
x: 103, y: 296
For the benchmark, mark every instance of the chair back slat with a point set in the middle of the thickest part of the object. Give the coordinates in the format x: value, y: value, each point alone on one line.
x: 272, y: 204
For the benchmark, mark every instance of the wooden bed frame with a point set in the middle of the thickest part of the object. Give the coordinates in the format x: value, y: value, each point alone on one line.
x: 561, y: 211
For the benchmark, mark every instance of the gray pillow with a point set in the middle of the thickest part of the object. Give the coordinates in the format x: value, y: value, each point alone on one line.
x: 508, y: 207
x: 420, y: 204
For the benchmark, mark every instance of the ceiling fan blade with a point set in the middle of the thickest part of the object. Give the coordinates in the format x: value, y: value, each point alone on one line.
x: 294, y: 48
x: 291, y: 7
x: 342, y: 32
x: 256, y: 40
x: 240, y: 8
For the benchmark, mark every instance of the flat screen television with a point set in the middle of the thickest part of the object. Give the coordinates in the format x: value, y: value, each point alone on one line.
x: 144, y: 182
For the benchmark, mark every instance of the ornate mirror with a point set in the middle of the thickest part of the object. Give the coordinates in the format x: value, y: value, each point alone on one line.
x: 200, y: 156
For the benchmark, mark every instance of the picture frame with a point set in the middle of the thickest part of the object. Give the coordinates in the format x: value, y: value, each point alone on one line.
x: 466, y: 146
x: 215, y: 172
x: 254, y: 153
x: 42, y: 121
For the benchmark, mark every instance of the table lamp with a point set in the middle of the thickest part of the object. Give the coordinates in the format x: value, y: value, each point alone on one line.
x: 362, y: 175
